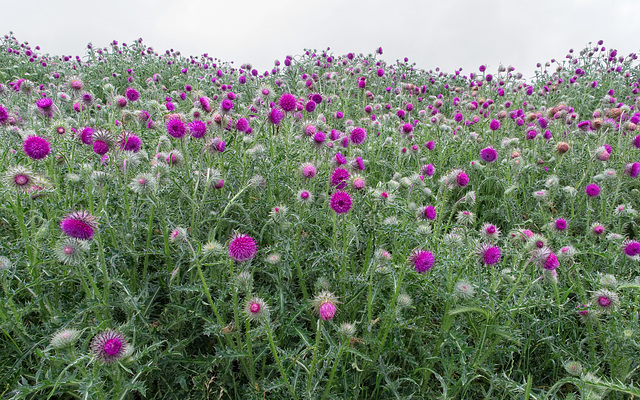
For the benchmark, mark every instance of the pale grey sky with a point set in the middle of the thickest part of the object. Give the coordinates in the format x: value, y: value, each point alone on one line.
x: 448, y: 34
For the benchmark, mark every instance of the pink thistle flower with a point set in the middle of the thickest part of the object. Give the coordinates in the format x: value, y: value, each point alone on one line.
x: 324, y: 305
x: 242, y: 248
x: 592, y: 190
x: 489, y: 255
x: 36, y: 147
x: 341, y: 202
x: 631, y: 249
x: 109, y: 346
x: 176, y: 128
x: 79, y: 224
x: 489, y: 154
x: 422, y: 260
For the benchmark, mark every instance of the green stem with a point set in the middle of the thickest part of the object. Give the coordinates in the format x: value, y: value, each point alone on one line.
x: 278, y: 361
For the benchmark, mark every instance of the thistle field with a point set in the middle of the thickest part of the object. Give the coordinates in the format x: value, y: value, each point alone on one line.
x: 338, y: 227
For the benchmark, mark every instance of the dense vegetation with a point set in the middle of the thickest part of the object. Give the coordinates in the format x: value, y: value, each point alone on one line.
x: 338, y: 227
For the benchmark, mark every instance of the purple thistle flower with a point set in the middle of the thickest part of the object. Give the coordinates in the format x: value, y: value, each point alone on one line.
x: 561, y: 224
x: 489, y: 154
x: 129, y: 142
x: 242, y: 125
x: 431, y: 145
x: 551, y: 262
x: 79, y: 225
x: 197, y: 128
x: 310, y: 106
x: 226, y: 106
x: 358, y: 135
x: 632, y: 169
x: 339, y: 178
x: 287, y: 102
x: 430, y: 213
x: 275, y: 116
x: 632, y: 249
x: 132, y: 94
x: 176, y: 128
x: 44, y: 104
x: 489, y: 255
x: 494, y: 125
x: 422, y: 260
x: 242, y: 248
x: 340, y: 159
x: 462, y: 179
x: 636, y: 142
x: 341, y: 202
x: 36, y: 147
x: 592, y: 190
x: 86, y: 136
x: 109, y: 346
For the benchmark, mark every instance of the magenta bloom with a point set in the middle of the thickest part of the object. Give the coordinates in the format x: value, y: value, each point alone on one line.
x: 109, y: 346
x: 287, y: 102
x: 242, y: 248
x: 275, y: 116
x: 407, y: 128
x: 341, y: 202
x: 36, y: 147
x: 633, y: 169
x: 100, y: 147
x: 327, y: 311
x: 45, y: 104
x: 422, y: 260
x: 430, y: 212
x: 86, y: 136
x: 494, y: 125
x: 462, y: 179
x: 310, y: 106
x: 79, y: 224
x: 132, y: 94
x: 226, y: 106
x: 340, y: 159
x: 197, y: 128
x: 176, y: 128
x: 358, y: 135
x: 489, y: 255
x: 242, y: 125
x: 489, y: 154
x: 130, y: 142
x: 632, y: 249
x: 561, y: 224
x: 636, y: 142
x: 431, y: 145
x: 339, y: 178
x: 551, y: 262
x: 592, y: 190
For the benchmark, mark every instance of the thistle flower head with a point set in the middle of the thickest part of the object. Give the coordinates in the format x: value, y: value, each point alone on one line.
x: 324, y: 305
x: 463, y: 289
x: 631, y: 249
x: 256, y: 309
x: 64, y: 338
x: 490, y: 231
x: 242, y: 248
x: 79, y: 224
x: 109, y: 346
x: 19, y: 178
x: 71, y: 251
x: 421, y: 260
x: 488, y: 254
x: 605, y: 300
x: 466, y: 218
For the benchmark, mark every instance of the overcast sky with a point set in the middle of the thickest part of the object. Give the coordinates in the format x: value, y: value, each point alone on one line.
x: 448, y: 34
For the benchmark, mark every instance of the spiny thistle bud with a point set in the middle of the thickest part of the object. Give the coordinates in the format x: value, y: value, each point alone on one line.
x: 64, y: 338
x: 256, y: 309
x: 573, y: 368
x: 347, y: 329
x: 464, y: 290
x: 324, y: 305
x: 244, y: 281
